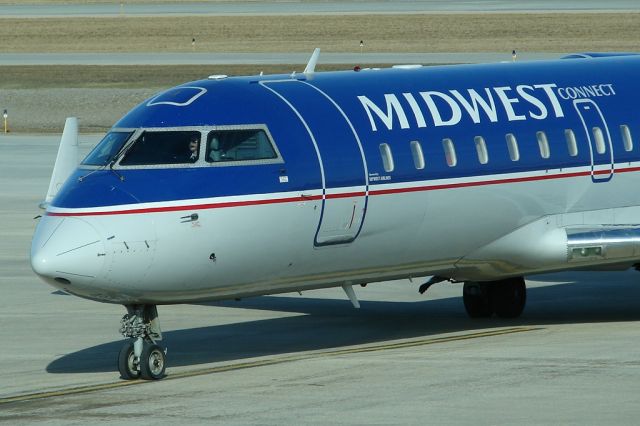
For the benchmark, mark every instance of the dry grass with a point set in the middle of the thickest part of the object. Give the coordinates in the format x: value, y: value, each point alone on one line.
x: 381, y: 33
x: 131, y: 76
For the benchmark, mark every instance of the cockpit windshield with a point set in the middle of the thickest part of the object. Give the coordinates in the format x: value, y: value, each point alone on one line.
x: 163, y: 147
x: 107, y: 149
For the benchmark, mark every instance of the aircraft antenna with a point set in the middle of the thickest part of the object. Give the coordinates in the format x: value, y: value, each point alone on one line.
x: 313, y: 60
x: 348, y: 289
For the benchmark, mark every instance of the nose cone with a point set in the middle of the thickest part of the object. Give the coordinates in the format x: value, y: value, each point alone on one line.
x: 67, y: 251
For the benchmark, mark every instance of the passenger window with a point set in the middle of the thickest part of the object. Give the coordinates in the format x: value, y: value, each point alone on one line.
x: 449, y: 152
x: 418, y: 157
x: 598, y: 138
x: 387, y: 158
x: 107, y: 149
x: 239, y: 145
x: 512, y: 145
x: 481, y: 150
x: 543, y: 144
x: 626, y: 137
x: 163, y: 147
x: 572, y: 145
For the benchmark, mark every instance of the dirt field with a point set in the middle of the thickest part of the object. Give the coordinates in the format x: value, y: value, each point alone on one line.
x: 380, y: 33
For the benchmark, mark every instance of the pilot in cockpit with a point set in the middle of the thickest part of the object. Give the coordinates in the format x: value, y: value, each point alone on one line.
x: 194, y: 145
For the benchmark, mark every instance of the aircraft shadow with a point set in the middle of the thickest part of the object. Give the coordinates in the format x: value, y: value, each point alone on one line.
x: 329, y: 323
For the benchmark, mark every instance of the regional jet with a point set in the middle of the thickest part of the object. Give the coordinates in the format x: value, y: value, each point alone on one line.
x: 231, y: 187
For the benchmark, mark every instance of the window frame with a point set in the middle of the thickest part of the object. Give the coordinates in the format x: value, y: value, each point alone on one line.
x: 450, y: 155
x: 386, y: 154
x: 512, y: 146
x: 201, y: 162
x: 481, y: 149
x: 600, y: 144
x: 141, y: 132
x: 627, y: 138
x: 543, y: 144
x: 417, y: 154
x: 572, y: 142
x: 125, y: 146
x: 231, y: 163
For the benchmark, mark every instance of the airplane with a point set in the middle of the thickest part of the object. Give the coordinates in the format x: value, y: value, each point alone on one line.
x: 231, y: 187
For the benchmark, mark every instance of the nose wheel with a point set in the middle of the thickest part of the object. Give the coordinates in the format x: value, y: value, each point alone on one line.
x: 128, y: 365
x: 141, y: 356
x: 152, y: 362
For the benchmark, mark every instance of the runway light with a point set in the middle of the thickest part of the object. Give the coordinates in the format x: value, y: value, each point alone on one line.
x: 5, y: 115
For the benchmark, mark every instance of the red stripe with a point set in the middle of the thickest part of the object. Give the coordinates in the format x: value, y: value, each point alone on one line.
x: 343, y: 195
x: 190, y: 207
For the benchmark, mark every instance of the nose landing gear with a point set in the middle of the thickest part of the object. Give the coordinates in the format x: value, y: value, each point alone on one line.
x: 141, y: 356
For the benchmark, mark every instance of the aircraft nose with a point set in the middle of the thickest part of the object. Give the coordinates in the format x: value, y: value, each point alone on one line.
x: 67, y: 251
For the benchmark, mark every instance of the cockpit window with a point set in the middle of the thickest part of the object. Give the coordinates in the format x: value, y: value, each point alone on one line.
x: 107, y: 149
x: 239, y: 145
x: 163, y: 147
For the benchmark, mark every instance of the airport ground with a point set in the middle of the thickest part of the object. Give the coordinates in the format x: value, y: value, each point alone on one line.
x: 573, y: 357
x: 403, y: 358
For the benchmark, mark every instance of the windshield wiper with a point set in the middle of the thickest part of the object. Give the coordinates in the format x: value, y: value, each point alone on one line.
x: 110, y: 164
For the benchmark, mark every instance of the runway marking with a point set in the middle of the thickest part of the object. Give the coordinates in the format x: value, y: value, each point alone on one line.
x: 266, y: 362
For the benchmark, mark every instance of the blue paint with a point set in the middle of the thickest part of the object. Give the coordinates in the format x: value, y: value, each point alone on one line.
x: 242, y: 101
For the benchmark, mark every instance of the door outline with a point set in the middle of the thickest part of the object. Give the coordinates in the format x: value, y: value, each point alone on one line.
x: 597, y: 175
x: 320, y: 161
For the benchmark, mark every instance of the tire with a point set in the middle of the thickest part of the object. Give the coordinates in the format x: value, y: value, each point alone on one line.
x: 152, y: 362
x: 477, y: 299
x: 509, y: 297
x: 126, y: 364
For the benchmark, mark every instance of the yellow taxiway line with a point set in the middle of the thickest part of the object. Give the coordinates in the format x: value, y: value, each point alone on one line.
x: 268, y: 361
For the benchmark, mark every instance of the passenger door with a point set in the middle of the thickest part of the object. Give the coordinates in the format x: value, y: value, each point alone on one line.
x: 340, y: 155
x: 597, y: 133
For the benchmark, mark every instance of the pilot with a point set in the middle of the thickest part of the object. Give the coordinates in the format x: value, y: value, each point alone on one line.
x: 194, y: 145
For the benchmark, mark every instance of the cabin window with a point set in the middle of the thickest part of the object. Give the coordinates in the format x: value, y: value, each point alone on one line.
x: 387, y: 158
x: 543, y: 144
x: 626, y: 137
x: 163, y: 147
x: 598, y: 138
x: 239, y: 145
x: 572, y: 145
x: 512, y: 146
x: 416, y: 153
x: 449, y: 152
x: 107, y: 149
x: 481, y: 150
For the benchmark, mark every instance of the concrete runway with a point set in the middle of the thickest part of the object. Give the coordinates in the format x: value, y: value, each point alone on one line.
x: 311, y: 7
x: 573, y: 358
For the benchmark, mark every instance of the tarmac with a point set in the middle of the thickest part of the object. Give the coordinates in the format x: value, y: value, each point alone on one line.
x: 403, y: 358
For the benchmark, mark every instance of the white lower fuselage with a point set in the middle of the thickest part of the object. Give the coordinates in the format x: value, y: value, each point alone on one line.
x: 420, y: 229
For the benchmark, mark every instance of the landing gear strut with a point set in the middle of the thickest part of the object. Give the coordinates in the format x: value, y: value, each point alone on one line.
x: 505, y: 298
x: 141, y: 356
